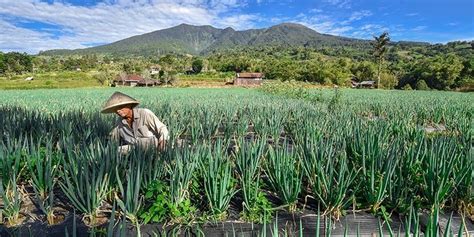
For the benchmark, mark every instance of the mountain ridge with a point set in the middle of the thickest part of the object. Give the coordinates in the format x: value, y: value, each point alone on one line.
x: 201, y: 40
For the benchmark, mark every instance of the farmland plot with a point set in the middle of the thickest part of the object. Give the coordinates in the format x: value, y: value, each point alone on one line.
x: 402, y: 160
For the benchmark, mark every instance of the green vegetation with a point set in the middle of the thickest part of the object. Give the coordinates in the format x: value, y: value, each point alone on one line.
x: 283, y: 169
x: 197, y: 65
x: 291, y: 89
x: 248, y: 160
x: 284, y: 52
x: 208, y: 76
x: 421, y: 85
x: 161, y: 208
x: 385, y: 152
x: 380, y: 49
x: 43, y: 169
x: 50, y: 80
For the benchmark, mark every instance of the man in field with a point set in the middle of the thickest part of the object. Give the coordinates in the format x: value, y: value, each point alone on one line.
x: 135, y: 126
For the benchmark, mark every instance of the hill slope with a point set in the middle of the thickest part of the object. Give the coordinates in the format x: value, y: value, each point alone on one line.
x: 204, y: 39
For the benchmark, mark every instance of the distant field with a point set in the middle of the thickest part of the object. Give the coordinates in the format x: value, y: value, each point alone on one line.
x: 57, y: 80
x: 352, y: 99
x: 51, y: 80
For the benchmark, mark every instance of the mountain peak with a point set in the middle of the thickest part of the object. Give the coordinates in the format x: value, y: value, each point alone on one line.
x: 289, y: 24
x: 292, y: 28
x: 189, y: 26
x: 192, y: 39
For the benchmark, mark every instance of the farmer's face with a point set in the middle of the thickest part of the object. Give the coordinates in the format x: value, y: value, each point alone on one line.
x: 125, y: 112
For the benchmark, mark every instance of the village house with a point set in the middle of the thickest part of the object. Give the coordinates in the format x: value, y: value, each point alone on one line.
x: 133, y: 80
x: 363, y: 84
x: 126, y: 80
x: 154, y: 69
x: 148, y: 82
x: 249, y: 79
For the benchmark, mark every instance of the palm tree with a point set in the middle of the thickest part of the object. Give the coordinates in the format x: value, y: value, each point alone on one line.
x: 379, y: 52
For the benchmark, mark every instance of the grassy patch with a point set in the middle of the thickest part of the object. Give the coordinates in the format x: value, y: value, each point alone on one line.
x: 50, y: 80
x: 208, y: 76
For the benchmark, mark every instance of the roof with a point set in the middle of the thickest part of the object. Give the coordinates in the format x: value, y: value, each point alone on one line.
x: 249, y: 74
x: 131, y: 78
x: 147, y: 81
x: 367, y: 83
x: 134, y: 78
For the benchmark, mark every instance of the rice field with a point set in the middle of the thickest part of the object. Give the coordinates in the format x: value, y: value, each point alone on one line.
x: 241, y: 155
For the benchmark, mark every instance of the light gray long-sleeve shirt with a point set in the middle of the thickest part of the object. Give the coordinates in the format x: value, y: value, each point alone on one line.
x: 147, y: 130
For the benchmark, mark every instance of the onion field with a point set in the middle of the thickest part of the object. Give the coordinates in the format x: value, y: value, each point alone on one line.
x: 405, y: 158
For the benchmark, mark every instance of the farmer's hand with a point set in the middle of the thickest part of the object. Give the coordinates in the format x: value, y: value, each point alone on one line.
x: 162, y: 144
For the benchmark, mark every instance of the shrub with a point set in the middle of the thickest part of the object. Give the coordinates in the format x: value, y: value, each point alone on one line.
x: 160, y: 206
x: 197, y: 65
x: 388, y: 81
x: 421, y: 85
x: 291, y: 89
x: 407, y: 87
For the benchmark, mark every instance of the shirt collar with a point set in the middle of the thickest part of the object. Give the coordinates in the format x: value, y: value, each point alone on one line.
x: 136, y: 115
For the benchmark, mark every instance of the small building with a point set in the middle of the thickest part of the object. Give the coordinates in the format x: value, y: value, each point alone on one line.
x: 354, y: 83
x: 148, y: 82
x: 363, y: 84
x: 128, y: 80
x: 249, y: 79
x: 367, y: 84
x: 155, y: 69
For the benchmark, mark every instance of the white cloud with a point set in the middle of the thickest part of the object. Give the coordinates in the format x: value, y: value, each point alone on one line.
x: 419, y: 28
x: 322, y: 24
x: 412, y: 14
x: 367, y: 31
x: 340, y: 30
x: 14, y: 38
x: 333, y: 25
x: 339, y: 3
x: 108, y: 21
x: 359, y: 15
x: 370, y: 27
x: 236, y: 21
x: 315, y: 10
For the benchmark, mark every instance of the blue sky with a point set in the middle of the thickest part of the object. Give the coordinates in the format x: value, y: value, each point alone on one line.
x: 34, y: 25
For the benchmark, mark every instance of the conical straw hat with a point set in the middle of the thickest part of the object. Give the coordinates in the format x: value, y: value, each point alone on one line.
x: 118, y: 100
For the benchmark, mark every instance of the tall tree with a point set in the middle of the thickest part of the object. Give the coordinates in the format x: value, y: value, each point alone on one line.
x: 3, y: 66
x: 197, y: 65
x: 380, y: 48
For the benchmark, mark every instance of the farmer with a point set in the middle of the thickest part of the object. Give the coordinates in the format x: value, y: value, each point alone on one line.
x: 135, y: 126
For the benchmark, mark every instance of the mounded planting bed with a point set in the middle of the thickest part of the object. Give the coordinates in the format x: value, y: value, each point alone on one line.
x: 285, y: 224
